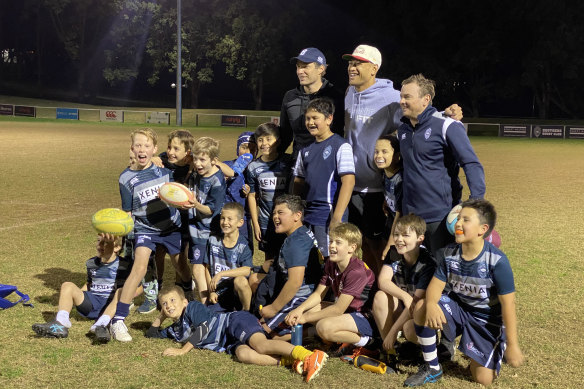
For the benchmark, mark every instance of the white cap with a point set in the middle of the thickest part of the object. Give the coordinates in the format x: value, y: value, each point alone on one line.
x: 365, y: 53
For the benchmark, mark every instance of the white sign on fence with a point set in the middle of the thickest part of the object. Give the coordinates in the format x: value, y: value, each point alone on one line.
x: 111, y: 115
x: 158, y: 117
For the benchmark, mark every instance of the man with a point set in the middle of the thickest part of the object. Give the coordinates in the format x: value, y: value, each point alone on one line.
x: 371, y: 109
x: 310, y: 68
x: 433, y: 149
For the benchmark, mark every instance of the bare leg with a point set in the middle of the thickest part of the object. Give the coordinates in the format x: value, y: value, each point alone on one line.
x: 141, y: 256
x: 383, y: 312
x: 70, y: 295
x: 159, y: 259
x: 341, y: 329
x: 246, y: 354
x: 201, y: 281
x: 481, y: 374
x: 243, y: 292
x: 181, y: 267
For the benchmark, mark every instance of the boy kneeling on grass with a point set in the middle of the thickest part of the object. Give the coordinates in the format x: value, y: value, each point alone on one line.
x: 238, y: 332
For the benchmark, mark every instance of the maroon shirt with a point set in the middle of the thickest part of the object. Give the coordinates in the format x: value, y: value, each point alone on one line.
x: 357, y: 280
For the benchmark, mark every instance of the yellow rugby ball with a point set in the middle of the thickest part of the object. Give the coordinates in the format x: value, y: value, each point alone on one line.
x: 113, y: 221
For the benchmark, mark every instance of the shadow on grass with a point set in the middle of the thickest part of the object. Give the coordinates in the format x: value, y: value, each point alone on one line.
x: 53, y: 278
x: 141, y: 326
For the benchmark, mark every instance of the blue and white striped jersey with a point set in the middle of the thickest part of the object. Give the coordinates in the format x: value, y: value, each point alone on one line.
x: 139, y: 192
x: 393, y: 192
x: 475, y: 285
x: 209, y: 191
x: 221, y: 258
x: 104, y: 278
x: 322, y: 164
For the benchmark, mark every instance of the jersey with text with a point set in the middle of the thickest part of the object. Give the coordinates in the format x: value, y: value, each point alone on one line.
x: 104, y: 278
x: 221, y: 258
x: 417, y: 276
x: 357, y: 280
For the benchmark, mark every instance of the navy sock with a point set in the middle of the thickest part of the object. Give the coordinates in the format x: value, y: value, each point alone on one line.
x: 122, y: 311
x: 427, y: 340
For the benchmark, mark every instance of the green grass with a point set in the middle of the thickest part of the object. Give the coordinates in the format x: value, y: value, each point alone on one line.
x: 56, y: 174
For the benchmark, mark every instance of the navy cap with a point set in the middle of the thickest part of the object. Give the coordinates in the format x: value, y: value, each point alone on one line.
x: 310, y: 54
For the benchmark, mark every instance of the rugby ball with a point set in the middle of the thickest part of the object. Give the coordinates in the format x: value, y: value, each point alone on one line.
x: 452, y: 218
x: 175, y: 194
x: 494, y: 238
x: 113, y: 221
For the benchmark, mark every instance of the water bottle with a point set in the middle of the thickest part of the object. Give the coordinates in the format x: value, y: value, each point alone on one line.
x: 297, y: 335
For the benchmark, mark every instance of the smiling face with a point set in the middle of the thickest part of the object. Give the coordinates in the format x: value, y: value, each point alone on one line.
x: 406, y: 240
x: 143, y: 148
x: 340, y: 250
x: 309, y: 75
x: 469, y: 227
x: 268, y: 144
x: 173, y: 305
x: 230, y: 221
x: 361, y: 74
x: 318, y: 125
x: 204, y: 164
x: 384, y: 154
x: 412, y: 102
x: 176, y: 152
x: 285, y: 220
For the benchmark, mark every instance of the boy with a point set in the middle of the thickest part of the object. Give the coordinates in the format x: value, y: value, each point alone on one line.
x: 155, y: 223
x: 403, y: 281
x: 208, y: 184
x: 268, y: 177
x: 298, y: 267
x: 347, y: 320
x: 324, y: 174
x: 228, y: 262
x: 106, y: 273
x: 237, y: 332
x: 480, y: 305
x: 387, y: 158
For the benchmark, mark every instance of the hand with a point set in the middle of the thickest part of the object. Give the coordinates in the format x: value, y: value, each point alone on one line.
x: 390, y: 339
x: 434, y: 317
x: 384, y: 253
x: 214, y: 281
x: 245, y: 190
x: 292, y: 318
x: 213, y: 298
x: 257, y: 232
x: 513, y: 356
x: 408, y: 302
x: 192, y: 204
x: 268, y: 312
x: 156, y: 161
x: 334, y: 222
x: 173, y: 352
x: 454, y: 111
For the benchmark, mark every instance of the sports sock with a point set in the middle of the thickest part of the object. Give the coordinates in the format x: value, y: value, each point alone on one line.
x: 286, y: 360
x: 122, y: 311
x: 362, y: 342
x: 63, y: 318
x: 299, y: 353
x: 103, y: 320
x: 427, y: 340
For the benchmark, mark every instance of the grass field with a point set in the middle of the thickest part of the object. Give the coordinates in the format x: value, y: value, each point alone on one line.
x: 55, y: 175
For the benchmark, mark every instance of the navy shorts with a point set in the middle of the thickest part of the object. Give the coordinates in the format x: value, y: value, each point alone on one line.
x: 277, y: 323
x: 365, y: 323
x: 197, y: 251
x: 322, y: 238
x: 92, y: 305
x: 366, y: 212
x: 480, y: 340
x: 242, y: 325
x: 171, y: 241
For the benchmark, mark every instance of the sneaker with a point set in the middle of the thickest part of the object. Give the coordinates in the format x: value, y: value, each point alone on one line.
x: 424, y: 375
x: 52, y: 329
x: 445, y: 350
x: 343, y: 349
x: 368, y: 352
x: 298, y: 367
x: 313, y: 363
x: 102, y: 334
x: 120, y: 332
x: 148, y: 306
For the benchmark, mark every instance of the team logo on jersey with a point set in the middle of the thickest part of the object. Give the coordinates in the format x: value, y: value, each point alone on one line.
x: 134, y: 180
x: 93, y: 272
x: 471, y: 347
x: 197, y: 253
x: 428, y: 133
x: 482, y: 270
x: 306, y: 153
x: 327, y: 151
x: 403, y: 136
x: 215, y: 249
x: 259, y: 170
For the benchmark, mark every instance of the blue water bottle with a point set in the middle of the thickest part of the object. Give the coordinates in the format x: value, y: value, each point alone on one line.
x: 297, y: 335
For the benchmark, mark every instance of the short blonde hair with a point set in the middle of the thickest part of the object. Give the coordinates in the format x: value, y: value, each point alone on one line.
x: 172, y: 289
x: 184, y: 136
x: 411, y: 221
x: 148, y: 132
x: 206, y: 145
x: 348, y: 232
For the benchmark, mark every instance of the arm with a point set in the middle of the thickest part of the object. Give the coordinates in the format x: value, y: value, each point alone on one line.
x: 253, y: 211
x: 466, y: 157
x: 289, y: 290
x: 434, y: 315
x: 454, y: 111
x: 154, y: 330
x: 390, y: 241
x: 173, y: 352
x: 345, y: 192
x: 298, y: 187
x: 231, y: 273
x: 226, y: 170
x: 211, y: 292
x: 388, y: 286
x: 513, y: 353
x: 296, y: 315
x: 336, y: 309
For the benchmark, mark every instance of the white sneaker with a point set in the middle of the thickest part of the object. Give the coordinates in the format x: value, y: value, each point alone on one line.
x: 120, y: 332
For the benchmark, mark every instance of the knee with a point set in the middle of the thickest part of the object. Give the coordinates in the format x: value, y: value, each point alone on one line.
x: 380, y: 301
x: 240, y: 283
x: 243, y: 353
x: 420, y: 313
x: 324, y: 329
x: 484, y: 379
x: 67, y: 286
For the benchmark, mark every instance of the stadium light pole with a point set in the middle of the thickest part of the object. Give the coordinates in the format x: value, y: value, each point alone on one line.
x: 178, y: 65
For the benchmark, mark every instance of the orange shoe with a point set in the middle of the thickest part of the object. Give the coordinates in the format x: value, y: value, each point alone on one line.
x: 298, y: 367
x: 366, y: 352
x: 313, y: 363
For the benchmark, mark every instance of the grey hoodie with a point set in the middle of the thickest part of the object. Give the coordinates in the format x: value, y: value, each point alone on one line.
x: 368, y: 115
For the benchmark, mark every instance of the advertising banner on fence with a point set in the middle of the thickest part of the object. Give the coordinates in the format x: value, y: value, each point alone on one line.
x: 6, y: 109
x: 516, y: 130
x: 575, y: 132
x: 233, y: 120
x: 158, y: 117
x: 111, y: 115
x: 68, y: 113
x: 24, y: 110
x: 547, y: 131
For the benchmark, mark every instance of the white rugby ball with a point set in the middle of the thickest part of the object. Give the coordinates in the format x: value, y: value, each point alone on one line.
x: 452, y: 218
x: 175, y: 194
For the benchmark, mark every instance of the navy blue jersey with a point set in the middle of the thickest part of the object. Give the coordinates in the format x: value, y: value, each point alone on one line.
x: 104, y: 278
x: 180, y: 173
x: 475, y: 285
x: 221, y: 258
x: 300, y: 249
x: 393, y: 192
x: 322, y: 164
x: 209, y: 191
x: 410, y: 278
x: 268, y: 180
x: 139, y: 192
